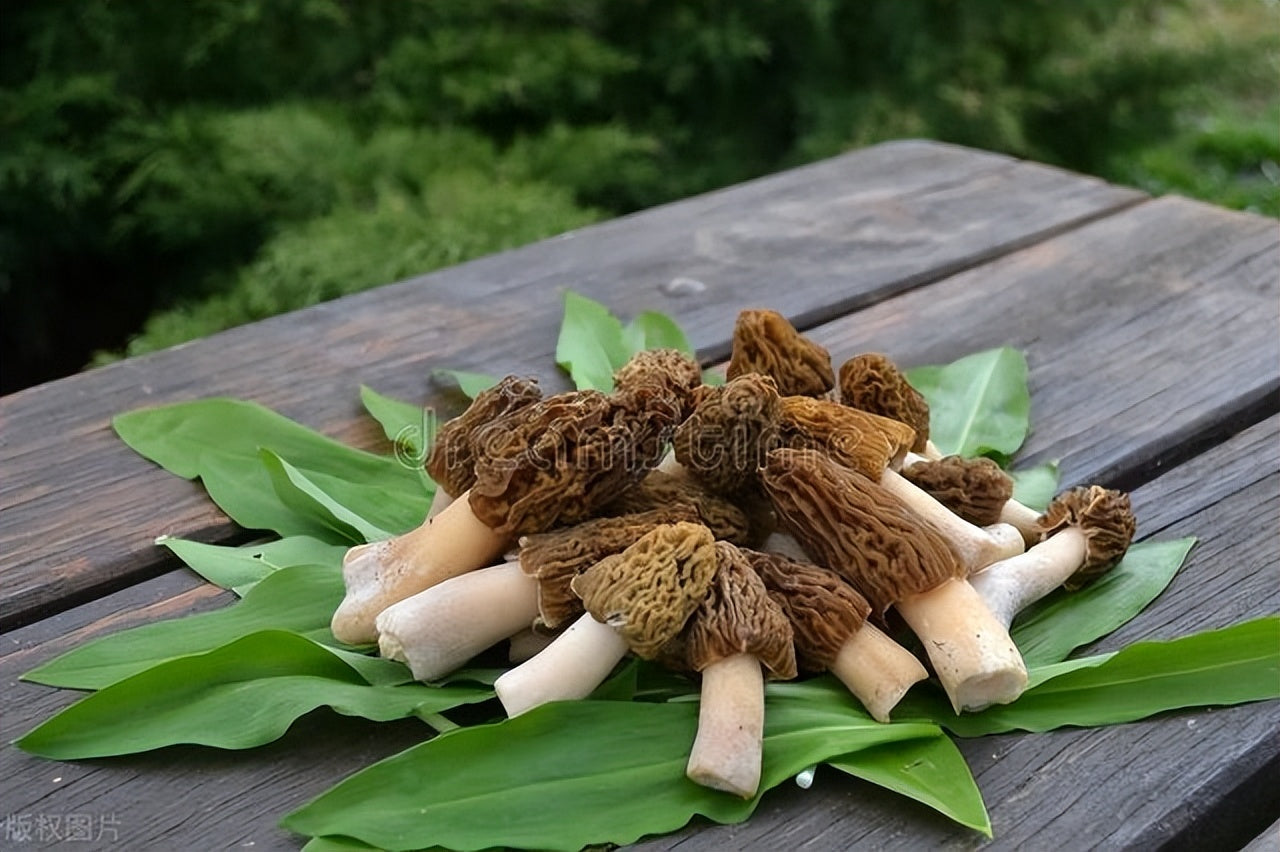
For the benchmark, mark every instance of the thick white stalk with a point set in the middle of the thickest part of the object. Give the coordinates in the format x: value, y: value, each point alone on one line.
x: 931, y: 452
x: 970, y: 648
x: 379, y: 574
x: 877, y: 670
x: 437, y: 630
x: 439, y: 502
x: 1023, y: 518
x: 570, y: 667
x: 671, y: 466
x: 727, y: 750
x: 1013, y: 584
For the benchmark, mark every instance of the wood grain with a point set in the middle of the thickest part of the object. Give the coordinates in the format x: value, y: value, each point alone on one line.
x: 78, y: 510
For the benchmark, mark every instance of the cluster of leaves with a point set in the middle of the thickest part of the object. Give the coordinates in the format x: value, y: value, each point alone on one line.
x: 209, y: 165
x: 178, y: 681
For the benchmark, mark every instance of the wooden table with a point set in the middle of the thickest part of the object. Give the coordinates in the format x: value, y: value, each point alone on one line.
x: 1150, y: 326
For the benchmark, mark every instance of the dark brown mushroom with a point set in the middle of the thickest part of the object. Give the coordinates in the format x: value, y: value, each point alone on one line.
x: 975, y: 489
x: 871, y: 382
x: 766, y: 342
x: 737, y: 629
x: 1086, y: 532
x: 671, y: 370
x: 661, y: 489
x: 860, y: 530
x: 868, y: 443
x: 725, y: 440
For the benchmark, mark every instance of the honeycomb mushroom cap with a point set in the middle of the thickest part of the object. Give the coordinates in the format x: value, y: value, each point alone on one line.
x: 726, y: 438
x: 857, y: 439
x: 737, y: 616
x: 452, y: 460
x: 660, y: 489
x: 975, y: 489
x: 678, y: 374
x: 871, y: 382
x: 648, y: 591
x: 766, y: 342
x: 1106, y: 520
x: 858, y: 529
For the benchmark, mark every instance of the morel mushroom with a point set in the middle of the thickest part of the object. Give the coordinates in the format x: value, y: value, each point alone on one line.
x: 662, y: 489
x: 871, y: 382
x: 637, y: 599
x: 765, y: 342
x: 863, y: 532
x: 675, y: 373
x: 829, y: 620
x: 975, y: 489
x: 725, y: 440
x: 737, y: 629
x: 1086, y: 532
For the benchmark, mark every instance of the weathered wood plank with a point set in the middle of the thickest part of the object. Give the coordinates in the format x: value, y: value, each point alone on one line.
x: 79, y: 509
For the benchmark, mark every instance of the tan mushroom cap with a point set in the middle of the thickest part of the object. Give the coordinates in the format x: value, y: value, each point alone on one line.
x: 857, y: 439
x: 725, y: 440
x: 766, y: 342
x: 823, y: 609
x: 668, y: 368
x: 660, y: 489
x: 452, y: 460
x: 737, y: 616
x: 648, y: 591
x: 856, y: 528
x: 975, y: 489
x: 871, y: 382
x: 1106, y: 520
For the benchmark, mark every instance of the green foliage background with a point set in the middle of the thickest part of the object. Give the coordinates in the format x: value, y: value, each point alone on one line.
x: 168, y: 170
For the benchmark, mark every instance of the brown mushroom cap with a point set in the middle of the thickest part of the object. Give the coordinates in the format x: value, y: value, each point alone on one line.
x: 670, y: 369
x: 725, y: 440
x: 648, y: 591
x: 856, y: 528
x: 1105, y: 519
x: 766, y: 342
x: 823, y: 609
x: 738, y: 616
x: 857, y: 439
x: 975, y: 489
x: 452, y: 460
x: 871, y: 382
x: 660, y: 489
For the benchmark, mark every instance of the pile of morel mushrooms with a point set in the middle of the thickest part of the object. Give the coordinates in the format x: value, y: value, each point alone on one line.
x: 757, y: 529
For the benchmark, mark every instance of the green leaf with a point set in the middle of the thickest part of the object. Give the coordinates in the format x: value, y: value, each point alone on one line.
x: 1233, y: 665
x: 471, y: 384
x: 1052, y: 628
x: 930, y: 770
x: 1035, y: 487
x: 978, y: 405
x: 590, y: 346
x: 307, y: 497
x: 299, y: 598
x: 219, y: 440
x: 241, y: 568
x: 582, y: 782
x: 653, y: 330
x: 336, y: 844
x: 240, y: 695
x: 408, y: 427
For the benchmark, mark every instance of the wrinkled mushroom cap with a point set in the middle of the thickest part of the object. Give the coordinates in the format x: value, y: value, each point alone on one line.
x: 452, y: 460
x: 1106, y: 520
x: 724, y: 441
x: 737, y: 616
x: 678, y: 374
x: 856, y: 528
x: 766, y: 342
x: 857, y: 439
x: 648, y: 591
x: 975, y: 489
x: 660, y: 489
x: 823, y: 609
x: 871, y: 382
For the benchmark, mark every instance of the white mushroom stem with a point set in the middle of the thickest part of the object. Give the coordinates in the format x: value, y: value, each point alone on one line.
x: 931, y: 453
x: 727, y: 750
x: 977, y: 547
x: 1013, y: 584
x: 439, y: 502
x: 526, y: 644
x: 670, y: 465
x: 436, y: 631
x: 877, y: 670
x: 1012, y: 512
x: 972, y: 654
x: 384, y: 572
x: 570, y: 667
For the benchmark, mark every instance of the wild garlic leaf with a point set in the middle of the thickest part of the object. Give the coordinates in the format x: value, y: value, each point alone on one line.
x: 1035, y: 487
x: 326, y: 503
x: 930, y: 770
x: 1232, y: 665
x: 337, y: 844
x: 408, y: 427
x: 978, y: 405
x: 654, y: 330
x: 300, y: 598
x: 242, y: 694
x: 1052, y: 628
x: 471, y: 384
x: 218, y: 440
x: 590, y: 346
x: 239, y: 569
x: 581, y: 782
